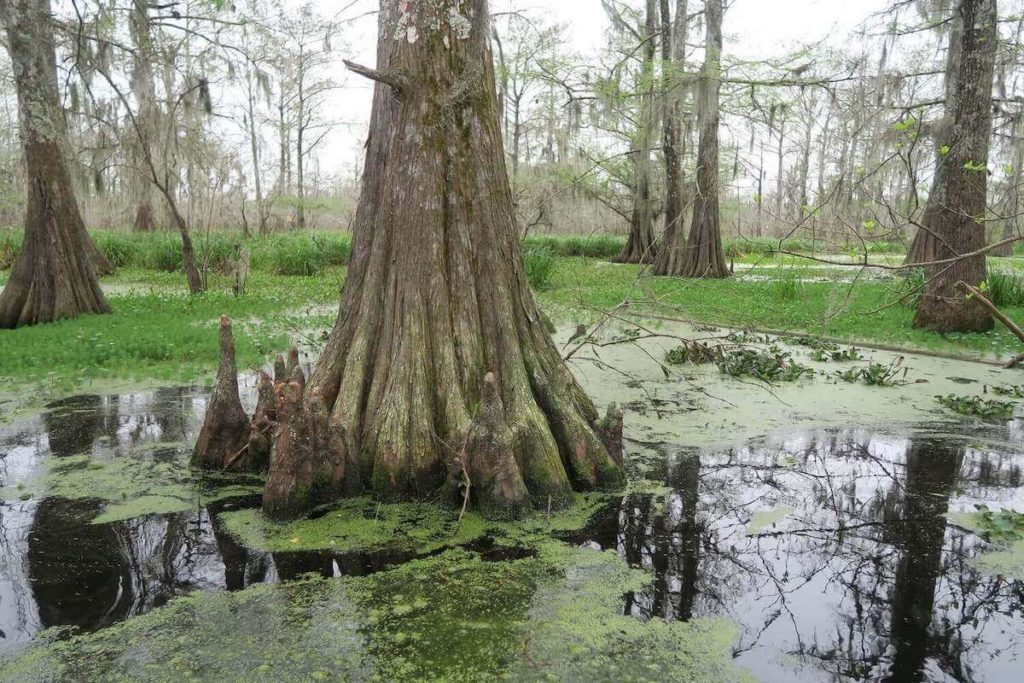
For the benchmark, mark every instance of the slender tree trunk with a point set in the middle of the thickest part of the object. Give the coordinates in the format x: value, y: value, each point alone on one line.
x: 956, y: 215
x: 144, y: 89
x: 300, y: 156
x: 640, y: 247
x: 673, y: 52
x: 254, y: 149
x: 54, y: 275
x: 704, y: 255
x: 439, y: 369
x: 1011, y: 220
x: 780, y: 180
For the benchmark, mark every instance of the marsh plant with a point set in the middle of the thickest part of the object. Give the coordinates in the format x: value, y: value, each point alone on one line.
x: 769, y: 365
x: 876, y: 374
x: 977, y: 406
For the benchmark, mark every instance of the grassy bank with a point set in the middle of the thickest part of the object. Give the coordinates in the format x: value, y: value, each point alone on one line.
x: 863, y: 310
x: 159, y: 333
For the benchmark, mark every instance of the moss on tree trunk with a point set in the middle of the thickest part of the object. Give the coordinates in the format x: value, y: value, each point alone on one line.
x: 54, y: 275
x: 436, y: 299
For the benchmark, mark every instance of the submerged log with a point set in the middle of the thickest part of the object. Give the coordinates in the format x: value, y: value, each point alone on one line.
x: 225, y: 429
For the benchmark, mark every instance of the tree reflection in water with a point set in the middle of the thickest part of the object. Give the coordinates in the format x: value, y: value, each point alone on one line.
x: 863, y: 580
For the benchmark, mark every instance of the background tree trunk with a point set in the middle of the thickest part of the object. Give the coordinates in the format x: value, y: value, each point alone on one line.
x: 673, y: 54
x: 436, y: 299
x: 640, y: 248
x: 956, y: 215
x: 704, y: 255
x: 54, y: 275
x: 144, y: 90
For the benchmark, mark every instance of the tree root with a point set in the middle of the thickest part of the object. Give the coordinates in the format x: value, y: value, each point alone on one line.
x: 226, y: 426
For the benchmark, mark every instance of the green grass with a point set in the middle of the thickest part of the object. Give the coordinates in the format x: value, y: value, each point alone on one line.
x: 868, y: 312
x: 157, y: 332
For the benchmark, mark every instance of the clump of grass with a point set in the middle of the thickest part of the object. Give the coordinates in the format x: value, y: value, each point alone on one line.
x: 788, y: 286
x: 540, y: 266
x: 769, y: 365
x: 976, y: 406
x: 1006, y: 288
x: 586, y: 246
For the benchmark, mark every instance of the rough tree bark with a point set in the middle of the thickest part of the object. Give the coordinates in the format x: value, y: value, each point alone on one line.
x: 703, y: 255
x: 956, y: 215
x: 925, y: 247
x: 436, y: 299
x: 54, y: 275
x: 226, y: 427
x: 673, y: 55
x: 640, y: 247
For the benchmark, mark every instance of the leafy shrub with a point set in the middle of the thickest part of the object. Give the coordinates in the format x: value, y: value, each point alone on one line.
x: 976, y: 406
x: 540, y: 265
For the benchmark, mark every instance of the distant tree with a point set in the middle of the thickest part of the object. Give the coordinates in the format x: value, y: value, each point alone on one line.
x: 54, y: 275
x: 704, y: 256
x: 640, y: 247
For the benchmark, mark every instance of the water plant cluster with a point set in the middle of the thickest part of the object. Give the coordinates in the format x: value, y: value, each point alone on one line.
x: 977, y: 406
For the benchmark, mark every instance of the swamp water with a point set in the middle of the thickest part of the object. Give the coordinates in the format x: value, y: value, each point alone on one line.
x: 814, y: 531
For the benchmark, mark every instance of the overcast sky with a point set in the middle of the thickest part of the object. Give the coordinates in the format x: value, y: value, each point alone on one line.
x: 754, y: 30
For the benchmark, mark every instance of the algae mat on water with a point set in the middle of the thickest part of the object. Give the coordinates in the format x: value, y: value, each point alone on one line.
x: 363, y: 525
x: 454, y: 616
x: 132, y: 487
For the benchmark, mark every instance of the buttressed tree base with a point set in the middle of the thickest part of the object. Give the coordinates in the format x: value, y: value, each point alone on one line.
x: 439, y: 374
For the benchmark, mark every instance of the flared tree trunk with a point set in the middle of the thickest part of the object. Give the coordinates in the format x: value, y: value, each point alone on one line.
x: 703, y: 255
x: 640, y: 247
x: 54, y: 275
x: 439, y: 369
x: 955, y: 217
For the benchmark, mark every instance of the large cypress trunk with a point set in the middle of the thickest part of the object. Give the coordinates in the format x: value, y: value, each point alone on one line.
x: 439, y: 369
x: 54, y: 275
x: 955, y: 215
x: 703, y: 255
